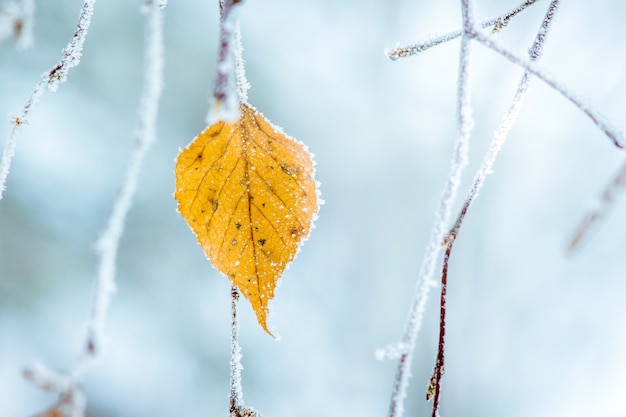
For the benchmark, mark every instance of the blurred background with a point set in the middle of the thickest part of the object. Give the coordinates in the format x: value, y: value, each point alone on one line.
x: 531, y: 331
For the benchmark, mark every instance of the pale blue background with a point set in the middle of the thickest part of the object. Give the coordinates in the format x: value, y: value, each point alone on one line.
x: 531, y: 332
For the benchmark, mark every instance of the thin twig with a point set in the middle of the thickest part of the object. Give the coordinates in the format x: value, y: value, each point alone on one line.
x: 51, y: 79
x: 435, y: 381
x: 225, y: 104
x: 108, y: 245
x: 496, y: 23
x: 508, y: 120
x: 72, y: 401
x: 606, y: 201
x: 236, y: 394
x: 485, y: 169
x: 600, y: 121
x: 442, y: 217
x: 237, y: 407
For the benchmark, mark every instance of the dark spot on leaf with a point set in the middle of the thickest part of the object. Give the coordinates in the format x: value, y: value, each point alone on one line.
x: 286, y: 168
x: 262, y: 242
x: 296, y: 232
x: 238, y: 226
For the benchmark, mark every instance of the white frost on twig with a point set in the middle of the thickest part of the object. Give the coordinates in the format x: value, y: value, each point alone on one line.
x: 240, y: 71
x: 605, y: 202
x: 52, y: 79
x: 237, y: 406
x: 425, y: 281
x: 236, y: 390
x: 600, y: 121
x: 227, y: 89
x: 145, y: 136
x: 74, y: 49
x: 47, y: 379
x: 402, y: 51
x: 72, y: 401
x: 392, y: 351
x: 508, y: 120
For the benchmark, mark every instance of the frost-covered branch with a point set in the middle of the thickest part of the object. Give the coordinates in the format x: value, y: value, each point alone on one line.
x: 16, y: 20
x: 425, y: 281
x: 497, y: 23
x: 612, y: 133
x: 237, y: 407
x: 50, y: 79
x: 236, y: 392
x: 72, y: 401
x: 508, y: 120
x: 434, y: 385
x: 485, y: 169
x: 600, y: 121
x: 108, y: 245
x: 605, y: 202
x: 225, y: 104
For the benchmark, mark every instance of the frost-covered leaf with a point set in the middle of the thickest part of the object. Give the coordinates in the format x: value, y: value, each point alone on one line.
x: 248, y: 193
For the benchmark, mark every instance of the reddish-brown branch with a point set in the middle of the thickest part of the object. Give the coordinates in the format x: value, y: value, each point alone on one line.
x: 438, y: 372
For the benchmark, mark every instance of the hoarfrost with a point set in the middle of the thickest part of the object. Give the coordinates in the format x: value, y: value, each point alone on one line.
x: 53, y: 78
x: 392, y: 351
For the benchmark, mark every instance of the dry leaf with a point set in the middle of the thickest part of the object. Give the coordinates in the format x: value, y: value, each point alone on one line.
x: 248, y: 193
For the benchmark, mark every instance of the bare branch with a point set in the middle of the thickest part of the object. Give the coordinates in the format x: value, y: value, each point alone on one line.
x: 496, y: 23
x: 600, y: 121
x: 434, y: 385
x: 225, y: 104
x: 108, y: 245
x: 236, y: 393
x: 592, y: 219
x: 442, y: 217
x: 50, y: 79
x: 485, y: 169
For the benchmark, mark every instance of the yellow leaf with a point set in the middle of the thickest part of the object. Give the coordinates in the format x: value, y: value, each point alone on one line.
x: 248, y: 193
